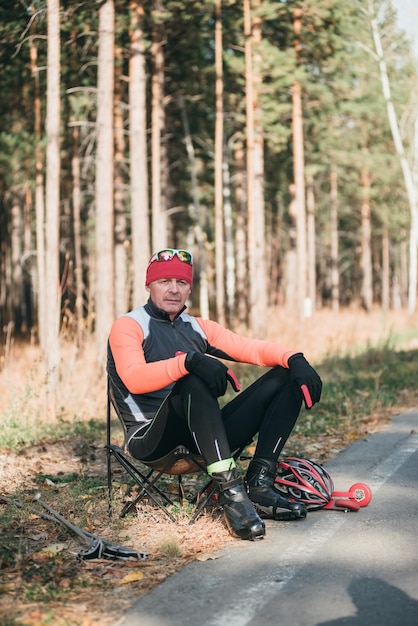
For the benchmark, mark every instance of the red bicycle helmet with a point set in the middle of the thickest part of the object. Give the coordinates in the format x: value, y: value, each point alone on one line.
x: 304, y: 481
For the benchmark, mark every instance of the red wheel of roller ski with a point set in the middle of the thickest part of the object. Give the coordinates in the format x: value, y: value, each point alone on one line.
x: 361, y: 493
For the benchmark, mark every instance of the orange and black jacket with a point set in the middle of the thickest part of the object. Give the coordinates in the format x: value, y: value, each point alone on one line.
x: 147, y: 353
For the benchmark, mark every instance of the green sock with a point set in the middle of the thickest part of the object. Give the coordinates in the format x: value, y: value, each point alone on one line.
x: 221, y: 466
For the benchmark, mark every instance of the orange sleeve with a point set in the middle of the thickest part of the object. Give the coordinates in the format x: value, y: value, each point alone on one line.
x: 244, y: 350
x: 125, y: 340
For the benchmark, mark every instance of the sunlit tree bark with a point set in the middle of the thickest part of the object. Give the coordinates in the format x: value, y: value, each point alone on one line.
x: 52, y: 206
x: 121, y: 242
x: 219, y: 133
x: 255, y: 175
x: 334, y: 253
x: 241, y: 273
x: 78, y: 270
x: 385, y: 269
x: 159, y: 225
x: 366, y: 234
x: 196, y: 216
x: 299, y: 177
x: 230, y: 264
x: 104, y: 294
x: 39, y: 199
x: 311, y: 254
x: 138, y: 153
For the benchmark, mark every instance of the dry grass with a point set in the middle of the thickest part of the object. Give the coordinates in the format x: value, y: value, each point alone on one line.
x: 328, y: 334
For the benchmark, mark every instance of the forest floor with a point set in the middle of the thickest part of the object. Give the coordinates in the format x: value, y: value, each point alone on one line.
x: 41, y: 580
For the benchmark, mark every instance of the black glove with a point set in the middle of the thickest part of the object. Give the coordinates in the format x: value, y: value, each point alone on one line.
x: 213, y: 372
x: 306, y: 379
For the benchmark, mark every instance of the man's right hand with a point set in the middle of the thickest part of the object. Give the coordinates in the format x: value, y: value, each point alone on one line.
x: 213, y: 372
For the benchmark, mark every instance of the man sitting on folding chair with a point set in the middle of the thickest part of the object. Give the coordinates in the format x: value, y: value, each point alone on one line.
x: 166, y: 381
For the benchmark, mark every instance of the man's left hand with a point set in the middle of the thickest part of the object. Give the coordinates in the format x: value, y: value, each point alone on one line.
x: 306, y: 379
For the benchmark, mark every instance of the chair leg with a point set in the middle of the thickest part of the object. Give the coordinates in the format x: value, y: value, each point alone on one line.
x: 209, y: 489
x: 109, y: 454
x: 147, y: 484
x: 148, y: 491
x: 180, y: 489
x: 109, y: 482
x: 130, y: 505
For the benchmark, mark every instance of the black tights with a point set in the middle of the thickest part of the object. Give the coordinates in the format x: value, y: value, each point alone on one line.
x: 191, y: 417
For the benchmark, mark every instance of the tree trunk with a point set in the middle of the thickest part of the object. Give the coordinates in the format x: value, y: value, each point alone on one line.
x: 121, y: 250
x: 39, y: 201
x: 404, y: 268
x: 159, y: 226
x: 276, y: 271
x: 104, y: 296
x: 310, y: 207
x: 78, y: 271
x: 255, y: 176
x: 16, y: 265
x: 197, y: 216
x: 335, y: 274
x: 385, y: 269
x: 52, y: 286
x: 241, y: 272
x: 229, y: 244
x: 219, y: 132
x: 366, y: 233
x: 138, y: 153
x: 299, y: 177
x: 28, y: 274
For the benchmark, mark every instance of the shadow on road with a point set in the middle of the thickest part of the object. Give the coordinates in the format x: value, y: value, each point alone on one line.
x: 377, y: 602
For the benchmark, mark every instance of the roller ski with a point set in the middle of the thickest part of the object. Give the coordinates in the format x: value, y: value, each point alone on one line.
x: 308, y: 483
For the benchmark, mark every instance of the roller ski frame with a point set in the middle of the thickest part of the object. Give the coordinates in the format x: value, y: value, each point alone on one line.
x: 358, y: 496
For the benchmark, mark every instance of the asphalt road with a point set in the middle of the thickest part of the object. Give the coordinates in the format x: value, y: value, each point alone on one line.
x: 332, y: 569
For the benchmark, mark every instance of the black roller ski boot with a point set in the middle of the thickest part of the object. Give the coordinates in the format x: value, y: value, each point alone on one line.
x: 267, y: 500
x: 241, y: 517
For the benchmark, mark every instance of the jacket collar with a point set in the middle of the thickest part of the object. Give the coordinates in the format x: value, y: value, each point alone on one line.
x: 154, y: 311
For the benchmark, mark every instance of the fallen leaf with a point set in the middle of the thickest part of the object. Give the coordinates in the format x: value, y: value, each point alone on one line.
x: 132, y: 577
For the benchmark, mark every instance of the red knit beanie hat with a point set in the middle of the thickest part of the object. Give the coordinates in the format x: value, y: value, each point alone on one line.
x: 172, y: 268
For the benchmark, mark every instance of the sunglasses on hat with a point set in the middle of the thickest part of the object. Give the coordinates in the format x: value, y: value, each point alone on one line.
x: 169, y: 253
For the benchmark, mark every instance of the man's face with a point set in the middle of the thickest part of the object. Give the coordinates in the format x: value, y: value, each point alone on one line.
x: 169, y: 294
